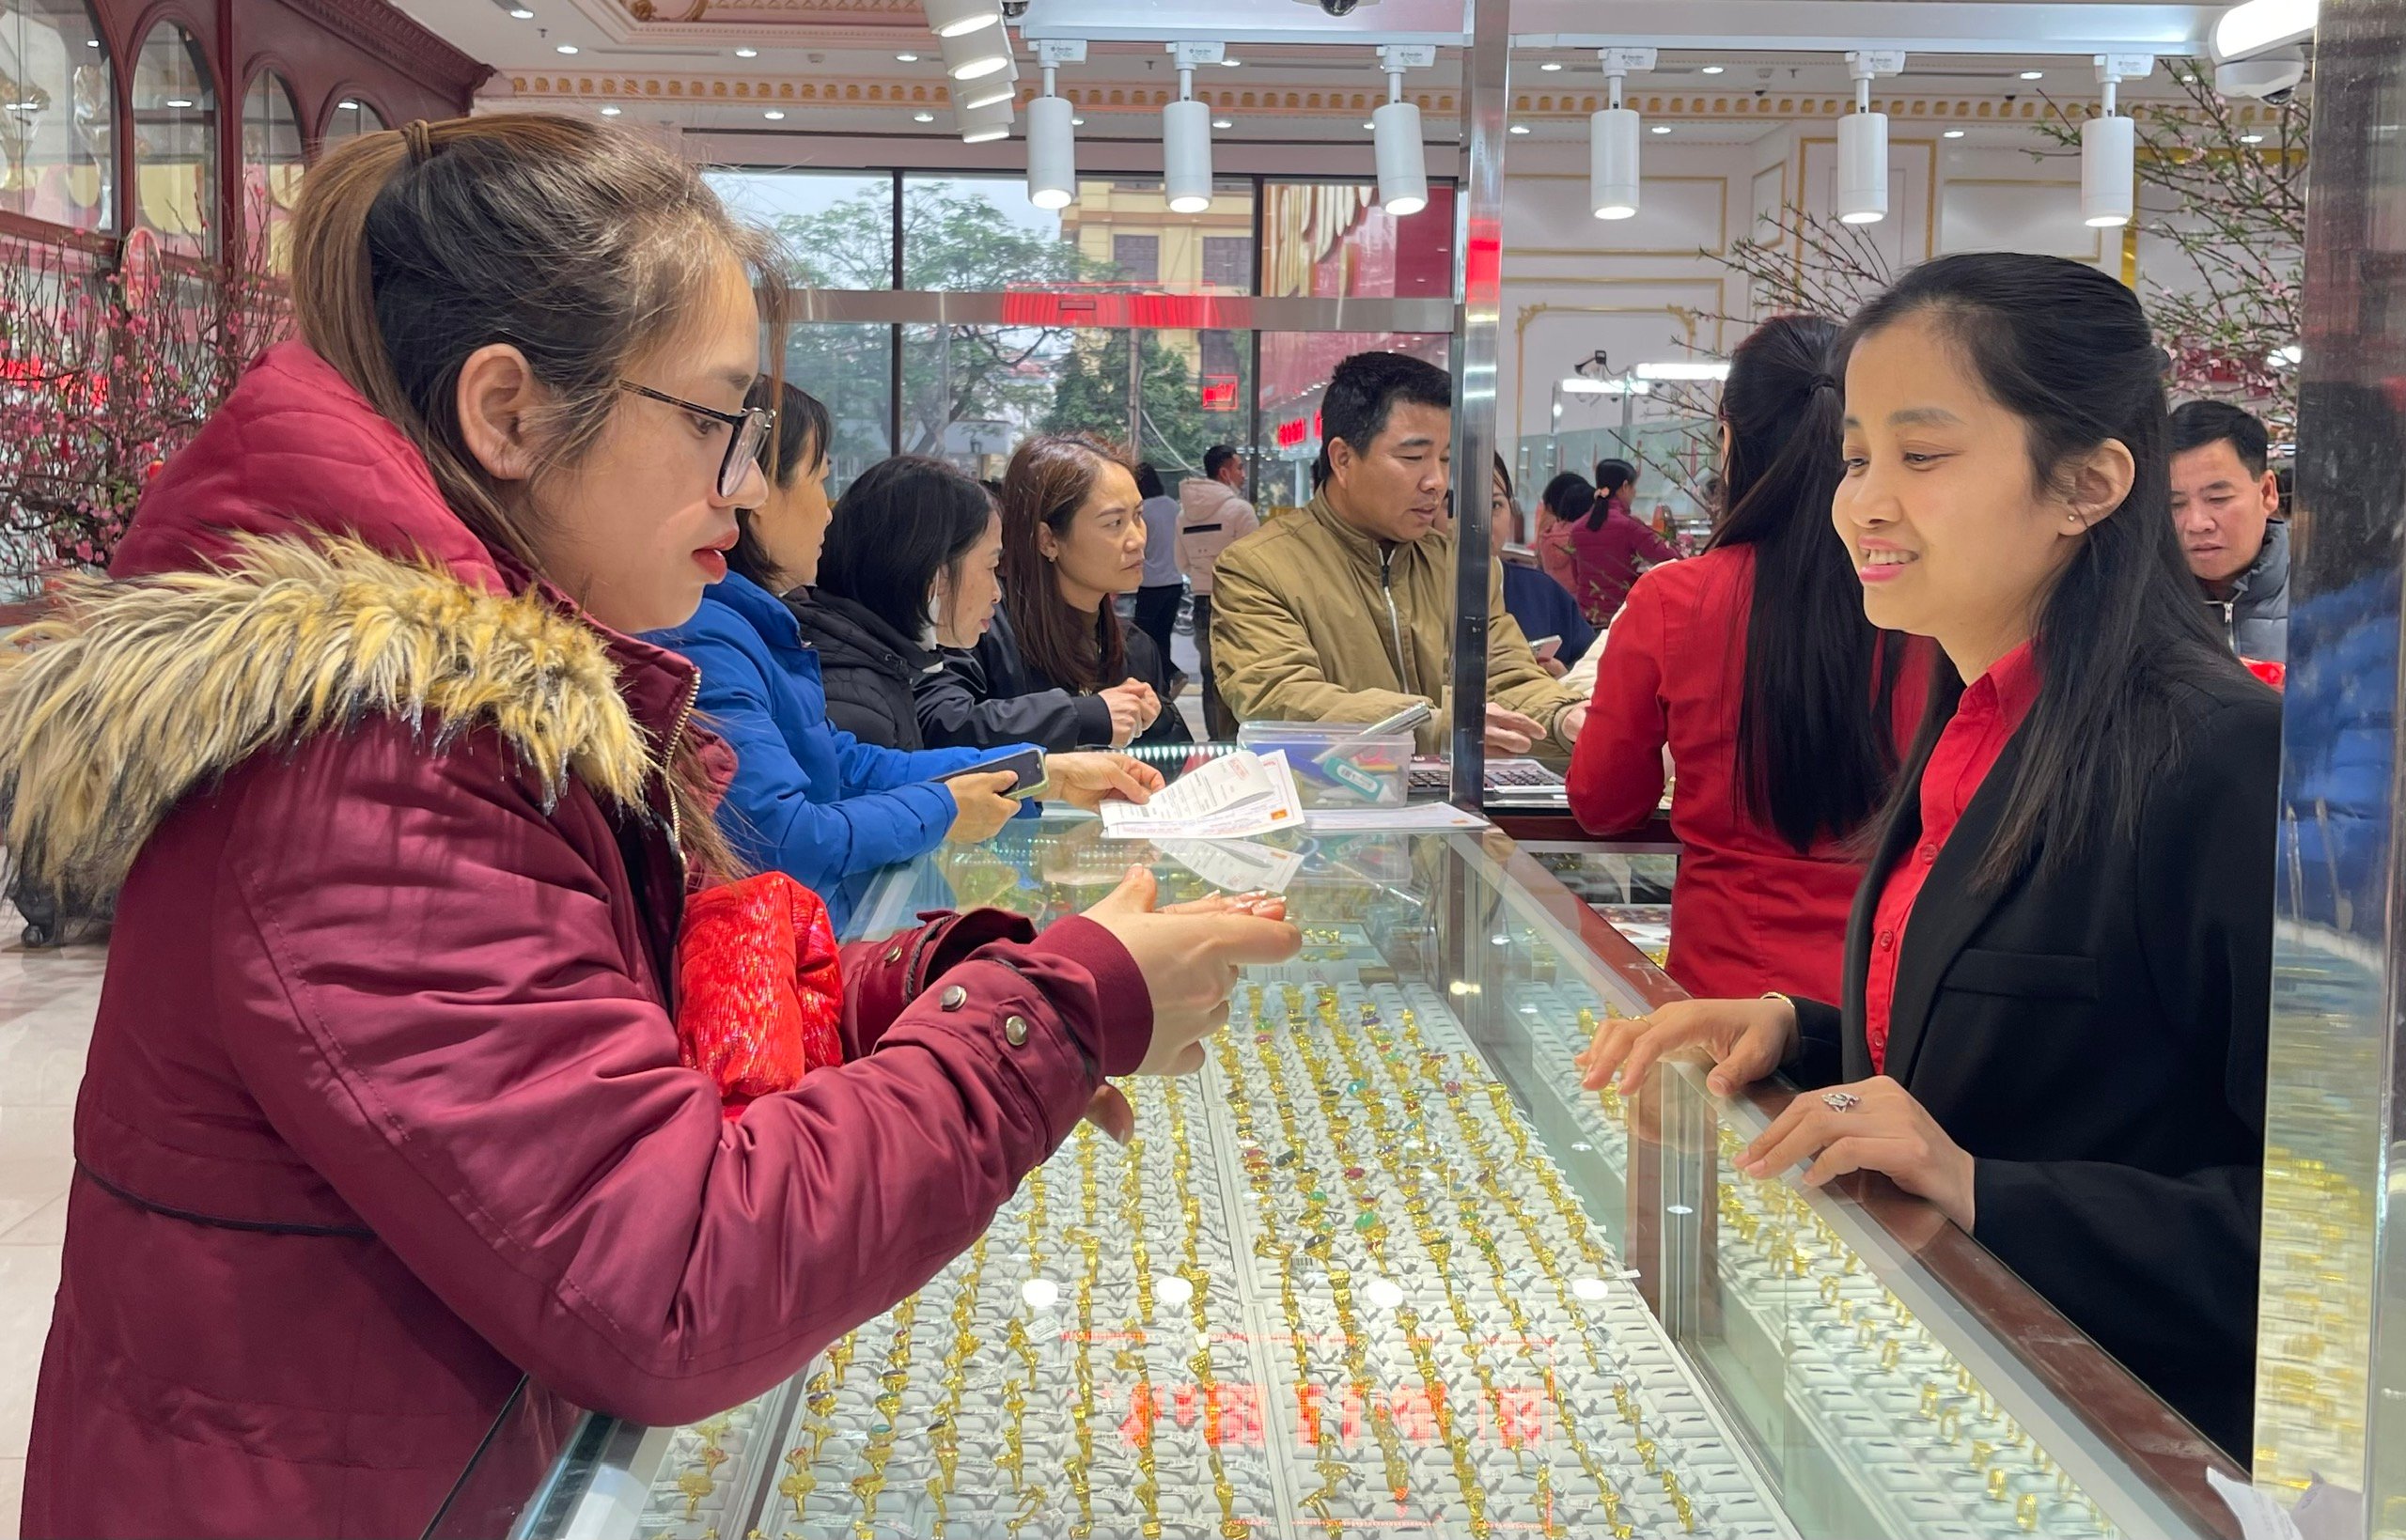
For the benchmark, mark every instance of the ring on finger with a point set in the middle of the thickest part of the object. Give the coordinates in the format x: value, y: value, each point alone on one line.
x: 1840, y: 1101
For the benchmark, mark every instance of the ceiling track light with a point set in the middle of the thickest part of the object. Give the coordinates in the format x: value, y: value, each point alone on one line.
x: 1863, y: 141
x: 973, y: 55
x: 2258, y: 25
x: 1395, y: 127
x: 985, y: 90
x: 1052, y: 138
x: 1186, y: 132
x: 2109, y: 147
x: 977, y: 125
x: 1612, y: 178
x: 958, y: 18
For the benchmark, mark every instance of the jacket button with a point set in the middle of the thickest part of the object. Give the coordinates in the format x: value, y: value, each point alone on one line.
x: 1015, y: 1029
x: 894, y: 953
x: 1887, y: 940
x: 1929, y: 854
x: 955, y: 997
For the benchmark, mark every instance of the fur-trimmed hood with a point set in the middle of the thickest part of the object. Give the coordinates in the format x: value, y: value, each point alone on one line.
x: 136, y: 693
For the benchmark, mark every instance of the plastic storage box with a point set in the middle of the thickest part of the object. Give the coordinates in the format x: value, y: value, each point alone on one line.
x: 1361, y: 772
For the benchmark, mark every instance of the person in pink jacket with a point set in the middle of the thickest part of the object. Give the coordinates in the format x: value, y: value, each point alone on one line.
x: 384, y: 1132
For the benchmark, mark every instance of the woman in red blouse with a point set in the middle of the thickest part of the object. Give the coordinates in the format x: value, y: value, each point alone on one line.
x: 2057, y: 977
x: 1609, y: 547
x: 1778, y: 701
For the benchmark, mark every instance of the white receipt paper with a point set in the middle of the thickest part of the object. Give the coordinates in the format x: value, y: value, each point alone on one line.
x: 1236, y: 866
x: 1233, y: 797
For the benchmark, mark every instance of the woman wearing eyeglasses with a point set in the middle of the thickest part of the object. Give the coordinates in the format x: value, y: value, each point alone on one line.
x: 385, y: 1150
x: 808, y: 798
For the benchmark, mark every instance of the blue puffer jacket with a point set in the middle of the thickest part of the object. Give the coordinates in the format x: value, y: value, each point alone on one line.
x: 807, y: 800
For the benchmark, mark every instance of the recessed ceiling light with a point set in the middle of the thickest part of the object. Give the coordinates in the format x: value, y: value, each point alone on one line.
x: 1519, y: 128
x: 923, y: 118
x: 522, y: 13
x: 348, y: 106
x: 568, y: 48
x: 1077, y: 122
x: 906, y: 58
x: 1230, y: 64
x: 611, y: 111
x: 2034, y: 74
x: 186, y: 102
x: 2188, y: 79
x: 747, y: 53
x: 1662, y: 128
x: 1952, y: 133
x: 1216, y: 122
x: 1372, y: 127
x: 91, y: 43
x: 2244, y: 138
x: 1712, y: 68
x: 773, y: 116
x: 1550, y: 66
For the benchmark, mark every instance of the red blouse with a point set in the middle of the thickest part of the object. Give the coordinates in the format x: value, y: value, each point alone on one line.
x: 1991, y: 712
x: 1748, y: 913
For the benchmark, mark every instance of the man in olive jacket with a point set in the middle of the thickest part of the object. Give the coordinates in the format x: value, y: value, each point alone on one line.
x: 1345, y: 612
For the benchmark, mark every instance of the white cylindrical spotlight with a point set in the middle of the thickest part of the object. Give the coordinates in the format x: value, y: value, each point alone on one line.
x: 1862, y: 168
x: 1403, y: 171
x: 1612, y: 162
x: 1186, y: 156
x: 973, y: 55
x: 1051, y: 153
x: 2108, y: 170
x: 956, y: 18
x: 985, y: 90
x: 979, y: 124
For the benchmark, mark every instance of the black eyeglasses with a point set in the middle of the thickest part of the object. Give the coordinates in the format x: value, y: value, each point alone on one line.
x: 751, y: 429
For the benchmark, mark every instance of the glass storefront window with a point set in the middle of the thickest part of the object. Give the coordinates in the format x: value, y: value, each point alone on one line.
x: 849, y: 368
x: 353, y: 118
x: 837, y: 229
x: 1332, y: 240
x: 972, y: 392
x: 272, y: 168
x: 174, y: 142
x: 981, y: 233
x: 57, y: 101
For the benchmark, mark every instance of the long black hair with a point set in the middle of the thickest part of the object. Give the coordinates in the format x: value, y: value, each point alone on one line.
x: 1816, y: 753
x: 1567, y: 496
x: 904, y: 521
x: 2120, y: 635
x: 1611, y: 476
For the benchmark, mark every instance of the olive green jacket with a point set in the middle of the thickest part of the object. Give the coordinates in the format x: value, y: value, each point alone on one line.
x: 1314, y: 621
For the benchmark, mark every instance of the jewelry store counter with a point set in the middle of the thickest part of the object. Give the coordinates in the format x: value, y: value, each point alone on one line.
x: 1381, y: 1269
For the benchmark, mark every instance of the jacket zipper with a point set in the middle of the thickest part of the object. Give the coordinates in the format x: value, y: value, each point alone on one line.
x: 1394, y: 621
x: 668, y: 769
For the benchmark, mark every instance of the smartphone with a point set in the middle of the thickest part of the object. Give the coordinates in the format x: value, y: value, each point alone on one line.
x: 1546, y: 646
x: 1027, y: 764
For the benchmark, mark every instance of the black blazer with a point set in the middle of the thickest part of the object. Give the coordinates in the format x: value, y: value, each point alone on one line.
x: 997, y: 670
x: 2095, y: 1038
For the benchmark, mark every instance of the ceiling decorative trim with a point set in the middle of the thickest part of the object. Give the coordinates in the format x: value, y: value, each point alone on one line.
x: 380, y: 29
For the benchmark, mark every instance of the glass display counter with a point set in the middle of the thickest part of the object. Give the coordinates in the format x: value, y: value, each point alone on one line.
x: 1380, y: 1268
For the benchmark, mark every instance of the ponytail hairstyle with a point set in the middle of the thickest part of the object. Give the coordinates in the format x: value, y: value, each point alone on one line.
x: 1048, y: 480
x: 1816, y: 753
x: 1611, y: 477
x: 2120, y: 635
x: 580, y: 245
x: 1569, y: 497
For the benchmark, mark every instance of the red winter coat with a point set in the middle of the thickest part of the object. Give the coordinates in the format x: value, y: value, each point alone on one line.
x: 1748, y: 913
x: 383, y: 1107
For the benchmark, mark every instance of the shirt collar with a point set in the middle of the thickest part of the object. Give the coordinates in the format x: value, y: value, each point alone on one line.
x: 2009, y: 688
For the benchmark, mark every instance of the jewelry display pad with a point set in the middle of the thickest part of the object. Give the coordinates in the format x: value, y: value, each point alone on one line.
x: 1368, y: 1274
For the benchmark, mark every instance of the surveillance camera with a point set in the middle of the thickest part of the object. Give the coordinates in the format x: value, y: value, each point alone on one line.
x: 1014, y: 10
x: 1339, y: 7
x: 2270, y: 77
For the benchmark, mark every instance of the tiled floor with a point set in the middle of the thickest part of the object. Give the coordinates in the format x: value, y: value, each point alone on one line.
x: 46, y: 1000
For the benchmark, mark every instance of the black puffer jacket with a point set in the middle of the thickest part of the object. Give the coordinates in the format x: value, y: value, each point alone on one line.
x: 869, y: 666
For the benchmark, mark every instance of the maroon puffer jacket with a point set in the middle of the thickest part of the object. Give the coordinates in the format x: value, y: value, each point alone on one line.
x: 383, y: 1107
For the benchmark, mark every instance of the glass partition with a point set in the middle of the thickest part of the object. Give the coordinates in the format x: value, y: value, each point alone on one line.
x: 57, y: 107
x: 1295, y: 366
x: 972, y: 232
x: 352, y: 117
x: 835, y: 230
x: 174, y: 142
x: 1381, y: 1269
x: 272, y: 166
